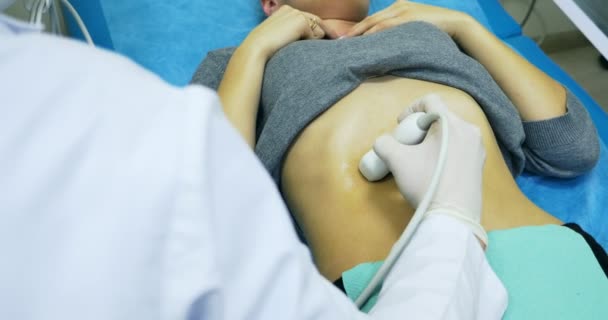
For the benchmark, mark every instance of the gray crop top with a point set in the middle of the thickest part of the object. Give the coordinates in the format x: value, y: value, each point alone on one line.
x: 305, y: 78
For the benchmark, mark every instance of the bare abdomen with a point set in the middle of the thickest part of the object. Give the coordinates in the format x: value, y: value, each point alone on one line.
x: 348, y: 220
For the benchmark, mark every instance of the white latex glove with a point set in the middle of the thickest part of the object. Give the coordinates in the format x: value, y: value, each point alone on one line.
x: 459, y: 189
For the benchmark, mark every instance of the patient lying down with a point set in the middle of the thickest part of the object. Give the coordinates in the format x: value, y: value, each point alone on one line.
x: 312, y: 108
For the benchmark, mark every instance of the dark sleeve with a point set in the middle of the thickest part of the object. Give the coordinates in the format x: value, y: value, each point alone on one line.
x: 211, y: 71
x: 563, y: 147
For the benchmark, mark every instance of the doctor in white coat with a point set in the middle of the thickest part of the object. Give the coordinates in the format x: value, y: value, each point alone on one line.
x: 122, y: 197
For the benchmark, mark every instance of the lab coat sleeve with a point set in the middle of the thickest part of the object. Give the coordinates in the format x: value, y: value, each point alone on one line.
x: 442, y: 274
x: 268, y: 274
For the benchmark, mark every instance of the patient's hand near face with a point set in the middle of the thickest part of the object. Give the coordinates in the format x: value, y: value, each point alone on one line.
x: 336, y: 17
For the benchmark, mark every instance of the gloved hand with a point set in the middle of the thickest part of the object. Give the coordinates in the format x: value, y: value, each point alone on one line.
x: 459, y: 189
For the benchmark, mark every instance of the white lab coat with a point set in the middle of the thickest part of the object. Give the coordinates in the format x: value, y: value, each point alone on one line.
x: 122, y: 197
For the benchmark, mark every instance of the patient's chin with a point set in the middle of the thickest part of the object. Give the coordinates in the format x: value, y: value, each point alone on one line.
x: 337, y: 27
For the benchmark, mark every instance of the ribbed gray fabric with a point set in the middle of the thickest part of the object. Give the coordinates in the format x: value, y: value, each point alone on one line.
x: 305, y: 78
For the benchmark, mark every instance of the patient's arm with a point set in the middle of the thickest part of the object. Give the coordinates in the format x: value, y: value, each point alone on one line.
x: 241, y: 86
x: 562, y: 146
x: 240, y: 95
x: 536, y: 95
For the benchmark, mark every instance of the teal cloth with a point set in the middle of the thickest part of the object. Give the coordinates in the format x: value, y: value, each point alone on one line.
x: 550, y: 273
x: 355, y: 280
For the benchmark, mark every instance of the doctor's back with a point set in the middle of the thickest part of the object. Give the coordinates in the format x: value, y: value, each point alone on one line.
x: 103, y: 185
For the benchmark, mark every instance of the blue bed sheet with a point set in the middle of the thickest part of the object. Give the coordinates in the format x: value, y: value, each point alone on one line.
x: 503, y: 25
x: 93, y: 16
x: 583, y: 200
x: 171, y: 38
